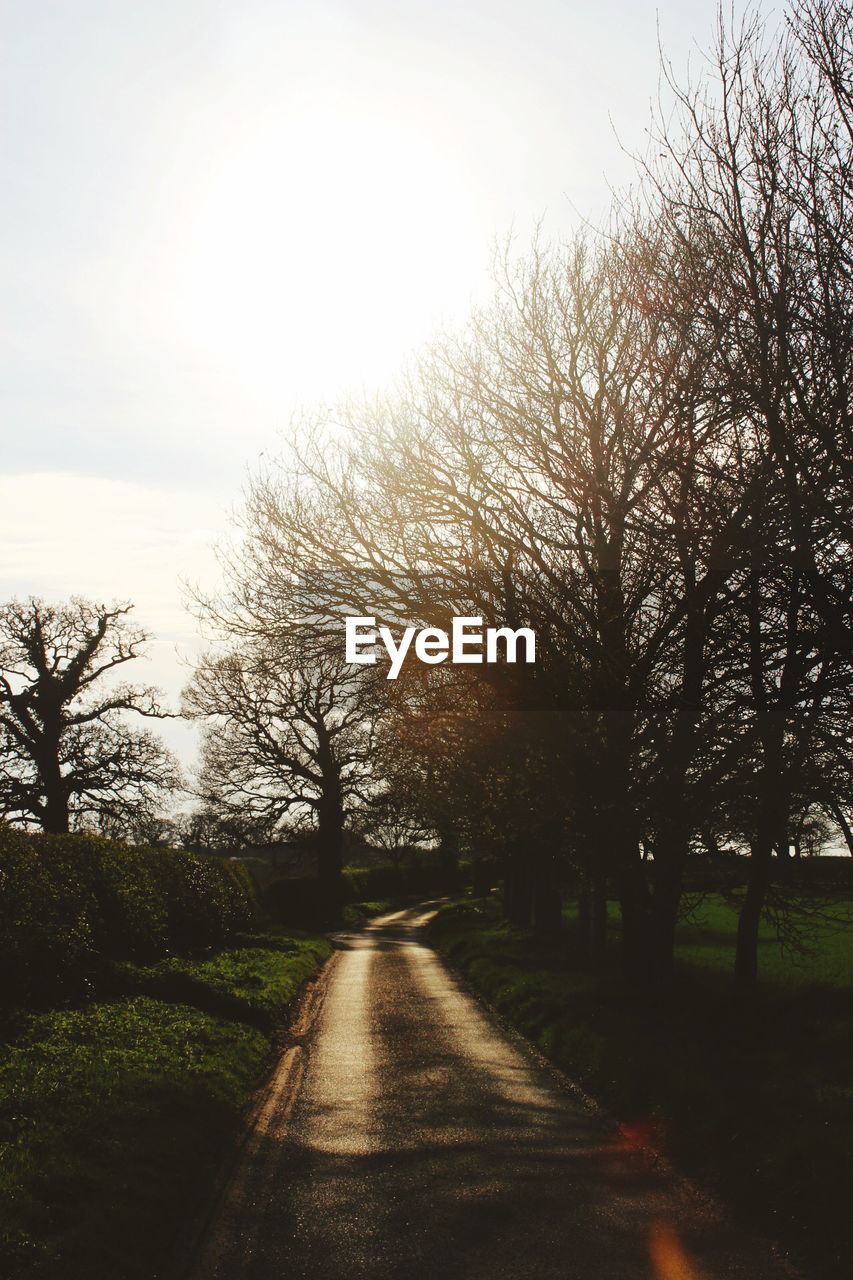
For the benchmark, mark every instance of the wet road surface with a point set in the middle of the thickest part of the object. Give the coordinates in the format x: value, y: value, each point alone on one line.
x: 410, y: 1136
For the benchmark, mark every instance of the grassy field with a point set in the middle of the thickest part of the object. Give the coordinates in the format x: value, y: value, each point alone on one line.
x: 114, y: 1117
x: 706, y: 937
x: 754, y: 1095
x: 824, y: 953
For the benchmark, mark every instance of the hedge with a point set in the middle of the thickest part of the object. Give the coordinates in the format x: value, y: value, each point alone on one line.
x: 300, y: 901
x: 71, y: 904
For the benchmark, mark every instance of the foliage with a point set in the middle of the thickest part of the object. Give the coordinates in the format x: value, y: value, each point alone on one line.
x: 113, y: 1118
x: 248, y: 984
x: 208, y: 899
x: 356, y: 913
x: 216, y: 827
x: 109, y: 1118
x: 70, y: 904
x: 301, y: 902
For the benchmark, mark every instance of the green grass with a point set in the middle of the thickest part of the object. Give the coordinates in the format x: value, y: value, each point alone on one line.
x: 824, y: 953
x: 252, y: 984
x: 706, y: 935
x: 114, y: 1117
x: 754, y: 1095
x: 108, y: 1116
x: 355, y: 913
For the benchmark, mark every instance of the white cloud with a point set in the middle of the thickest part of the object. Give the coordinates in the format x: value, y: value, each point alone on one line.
x: 63, y: 535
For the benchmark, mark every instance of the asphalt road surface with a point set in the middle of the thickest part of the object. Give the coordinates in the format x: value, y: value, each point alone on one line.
x: 410, y: 1136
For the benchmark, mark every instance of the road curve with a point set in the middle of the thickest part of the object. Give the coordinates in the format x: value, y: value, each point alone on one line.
x: 409, y: 1137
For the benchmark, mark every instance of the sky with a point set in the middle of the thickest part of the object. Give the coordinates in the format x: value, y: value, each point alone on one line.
x: 215, y: 214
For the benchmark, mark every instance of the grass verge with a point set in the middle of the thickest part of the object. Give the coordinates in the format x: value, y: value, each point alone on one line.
x: 754, y: 1096
x: 252, y: 984
x: 356, y: 913
x: 114, y: 1117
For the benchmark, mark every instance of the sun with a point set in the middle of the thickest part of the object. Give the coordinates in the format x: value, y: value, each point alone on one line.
x: 322, y: 248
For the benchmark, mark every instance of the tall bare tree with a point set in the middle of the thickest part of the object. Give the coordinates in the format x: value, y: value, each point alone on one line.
x: 753, y: 182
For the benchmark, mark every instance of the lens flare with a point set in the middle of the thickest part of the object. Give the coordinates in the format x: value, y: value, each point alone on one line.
x: 668, y: 1257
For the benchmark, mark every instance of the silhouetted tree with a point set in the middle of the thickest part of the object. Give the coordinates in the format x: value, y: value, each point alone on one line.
x: 754, y: 184
x: 68, y: 755
x: 289, y: 735
x: 213, y: 827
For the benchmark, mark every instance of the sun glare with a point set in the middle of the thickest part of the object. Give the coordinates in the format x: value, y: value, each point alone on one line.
x: 317, y: 256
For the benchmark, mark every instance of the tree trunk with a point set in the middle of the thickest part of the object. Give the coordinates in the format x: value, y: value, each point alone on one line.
x: 518, y: 891
x: 585, y: 919
x: 330, y: 847
x: 598, y: 921
x: 673, y: 845
x: 56, y: 815
x: 636, y: 922
x: 774, y: 705
x: 56, y: 809
x: 448, y: 849
x: 664, y: 917
x: 617, y: 836
x: 749, y: 921
x: 546, y: 902
x: 592, y: 920
x: 667, y: 875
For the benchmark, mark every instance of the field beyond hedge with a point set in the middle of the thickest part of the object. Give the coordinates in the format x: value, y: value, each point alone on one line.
x: 753, y: 1095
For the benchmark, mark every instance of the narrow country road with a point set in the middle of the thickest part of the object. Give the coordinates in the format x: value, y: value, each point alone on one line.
x: 409, y: 1136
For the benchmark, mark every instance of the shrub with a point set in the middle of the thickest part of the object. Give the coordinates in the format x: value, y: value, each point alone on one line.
x: 112, y: 1124
x: 417, y: 877
x: 126, y: 907
x: 246, y: 984
x: 300, y: 901
x: 70, y: 904
x: 46, y: 942
x: 207, y: 900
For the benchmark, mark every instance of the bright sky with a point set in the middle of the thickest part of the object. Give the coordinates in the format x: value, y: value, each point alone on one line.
x: 214, y: 212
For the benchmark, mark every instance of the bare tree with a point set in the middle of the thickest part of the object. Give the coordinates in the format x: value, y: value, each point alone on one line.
x: 603, y: 455
x: 753, y: 182
x: 289, y: 735
x: 394, y: 823
x: 515, y: 478
x: 68, y: 755
x: 213, y: 827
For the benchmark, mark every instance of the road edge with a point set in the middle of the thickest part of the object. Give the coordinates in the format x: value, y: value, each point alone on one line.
x: 278, y: 1083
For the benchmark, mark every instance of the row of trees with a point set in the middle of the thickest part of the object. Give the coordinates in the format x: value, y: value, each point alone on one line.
x: 641, y: 449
